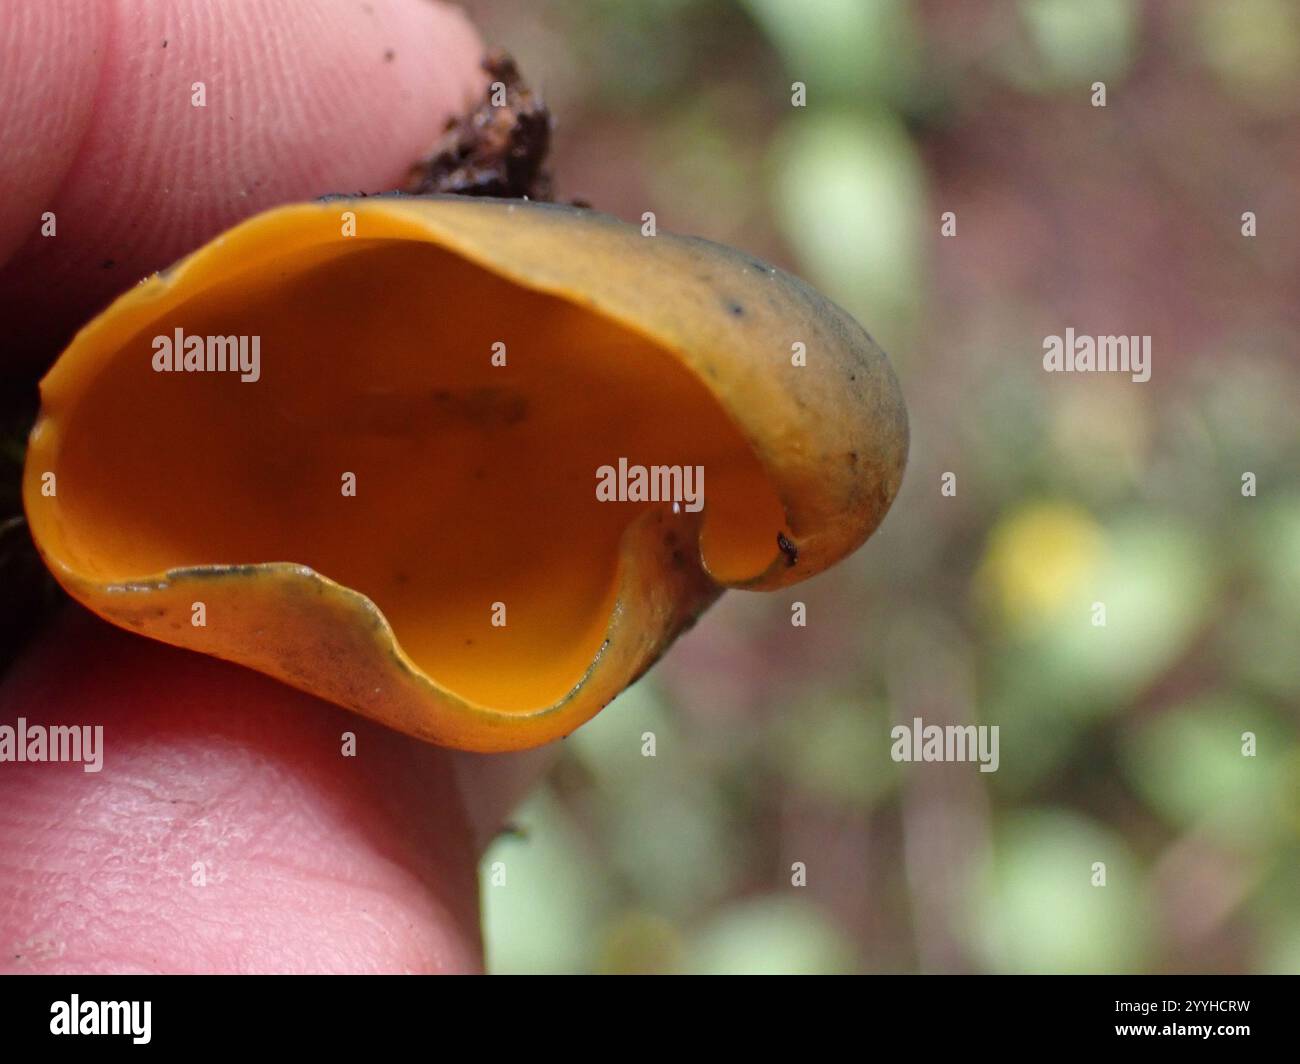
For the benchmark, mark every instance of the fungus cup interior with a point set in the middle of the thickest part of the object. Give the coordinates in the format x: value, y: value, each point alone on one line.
x: 475, y: 484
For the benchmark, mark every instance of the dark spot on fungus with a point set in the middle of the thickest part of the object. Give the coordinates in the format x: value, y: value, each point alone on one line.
x: 164, y: 42
x: 107, y: 264
x: 389, y: 55
x: 735, y: 308
x: 790, y: 551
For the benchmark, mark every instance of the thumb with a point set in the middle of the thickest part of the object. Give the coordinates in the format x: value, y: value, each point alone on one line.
x: 143, y: 129
x: 230, y: 825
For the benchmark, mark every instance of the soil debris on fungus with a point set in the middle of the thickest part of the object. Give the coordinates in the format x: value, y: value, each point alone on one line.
x: 787, y: 548
x: 498, y: 149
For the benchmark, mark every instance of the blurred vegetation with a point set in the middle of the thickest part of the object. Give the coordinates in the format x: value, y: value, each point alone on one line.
x: 1120, y: 744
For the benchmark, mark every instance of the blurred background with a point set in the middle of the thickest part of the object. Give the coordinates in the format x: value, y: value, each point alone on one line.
x: 1120, y: 744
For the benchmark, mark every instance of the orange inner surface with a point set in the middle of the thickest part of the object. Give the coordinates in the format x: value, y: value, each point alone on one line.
x: 475, y: 484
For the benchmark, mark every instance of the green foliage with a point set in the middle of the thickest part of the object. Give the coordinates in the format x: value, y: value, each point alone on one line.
x: 1035, y: 907
x: 849, y: 191
x: 1119, y: 742
x: 769, y: 936
x: 1191, y: 765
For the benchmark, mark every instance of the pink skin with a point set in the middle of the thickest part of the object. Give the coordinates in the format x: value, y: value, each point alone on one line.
x: 98, y: 127
x: 314, y: 862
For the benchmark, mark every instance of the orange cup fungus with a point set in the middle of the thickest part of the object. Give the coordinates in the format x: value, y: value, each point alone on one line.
x: 465, y: 466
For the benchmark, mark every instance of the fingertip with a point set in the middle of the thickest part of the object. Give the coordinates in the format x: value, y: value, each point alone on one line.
x: 198, y: 115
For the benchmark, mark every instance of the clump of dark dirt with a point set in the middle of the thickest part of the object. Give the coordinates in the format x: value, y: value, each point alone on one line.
x: 498, y: 149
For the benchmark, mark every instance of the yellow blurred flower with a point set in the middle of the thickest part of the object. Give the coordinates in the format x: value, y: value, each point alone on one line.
x: 1038, y: 561
x: 641, y: 942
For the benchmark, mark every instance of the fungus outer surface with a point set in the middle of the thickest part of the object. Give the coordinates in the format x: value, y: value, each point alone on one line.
x: 473, y: 590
